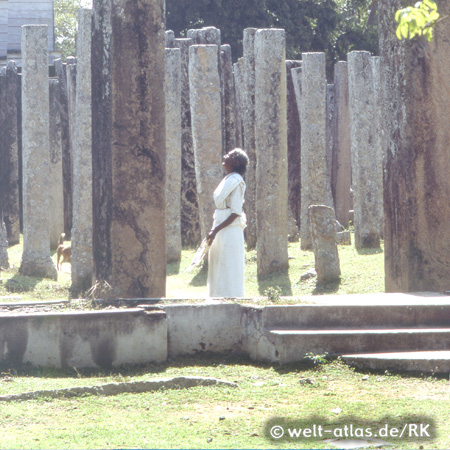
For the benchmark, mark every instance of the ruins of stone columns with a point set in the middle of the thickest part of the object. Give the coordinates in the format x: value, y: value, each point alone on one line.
x: 248, y: 118
x: 190, y: 225
x: 316, y: 188
x: 9, y: 152
x: 271, y: 150
x: 82, y: 258
x: 173, y: 152
x: 366, y: 179
x: 341, y: 169
x: 204, y: 87
x: 129, y: 155
x: 56, y: 208
x: 416, y: 102
x: 322, y: 222
x: 36, y: 260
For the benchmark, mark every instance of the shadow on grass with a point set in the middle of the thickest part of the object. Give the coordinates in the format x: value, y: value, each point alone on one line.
x: 327, y: 288
x: 173, y: 268
x: 278, y: 279
x: 21, y: 283
x: 369, y: 251
x: 201, y: 276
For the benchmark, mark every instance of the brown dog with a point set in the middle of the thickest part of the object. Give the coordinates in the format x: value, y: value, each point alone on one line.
x: 63, y: 251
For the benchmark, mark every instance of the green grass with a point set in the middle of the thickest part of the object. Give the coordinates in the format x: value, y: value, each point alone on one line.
x: 214, y: 417
x: 362, y: 272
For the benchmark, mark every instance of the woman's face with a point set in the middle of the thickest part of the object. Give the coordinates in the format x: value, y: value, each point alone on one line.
x: 227, y: 164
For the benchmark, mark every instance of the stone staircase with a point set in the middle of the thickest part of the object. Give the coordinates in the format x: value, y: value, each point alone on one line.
x: 385, y: 332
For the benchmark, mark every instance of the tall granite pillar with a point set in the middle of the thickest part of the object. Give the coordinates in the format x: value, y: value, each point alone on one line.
x: 129, y: 154
x: 229, y: 121
x: 66, y: 144
x: 204, y: 87
x: 56, y: 208
x: 4, y: 259
x: 316, y: 188
x: 190, y: 222
x: 71, y: 72
x: 82, y: 258
x: 271, y: 150
x: 248, y: 102
x: 9, y: 151
x: 173, y: 159
x: 238, y: 111
x: 341, y: 168
x: 331, y: 111
x: 365, y: 170
x: 293, y: 142
x: 36, y: 260
x: 416, y: 101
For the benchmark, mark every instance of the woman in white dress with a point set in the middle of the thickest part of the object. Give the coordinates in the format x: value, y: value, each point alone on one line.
x: 226, y: 256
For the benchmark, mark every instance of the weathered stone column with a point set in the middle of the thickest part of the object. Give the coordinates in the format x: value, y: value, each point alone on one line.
x: 293, y: 142
x: 36, y: 260
x: 129, y: 155
x: 322, y: 221
x: 56, y: 208
x: 190, y: 222
x: 316, y: 188
x: 229, y: 122
x: 170, y: 39
x: 331, y: 110
x: 248, y: 118
x: 341, y: 169
x: 204, y: 87
x: 271, y: 150
x: 66, y: 144
x: 365, y: 170
x: 9, y: 151
x: 173, y: 160
x: 4, y: 260
x: 71, y: 72
x: 82, y: 258
x: 238, y: 112
x: 416, y: 97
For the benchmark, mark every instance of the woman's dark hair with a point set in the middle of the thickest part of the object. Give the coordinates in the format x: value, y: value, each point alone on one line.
x: 239, y: 160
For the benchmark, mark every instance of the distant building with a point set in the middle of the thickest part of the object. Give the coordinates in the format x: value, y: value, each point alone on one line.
x: 14, y: 14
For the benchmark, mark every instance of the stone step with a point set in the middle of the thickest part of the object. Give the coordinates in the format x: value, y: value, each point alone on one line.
x: 422, y: 361
x: 293, y: 344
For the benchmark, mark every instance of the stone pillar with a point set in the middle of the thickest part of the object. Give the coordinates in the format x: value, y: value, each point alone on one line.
x: 190, y: 222
x: 271, y: 149
x: 316, y: 188
x: 341, y: 168
x: 204, y: 87
x: 56, y: 208
x: 248, y: 101
x: 416, y: 102
x: 331, y: 111
x: 170, y: 39
x: 66, y: 144
x: 4, y: 260
x: 82, y: 258
x: 238, y: 111
x: 322, y: 222
x: 36, y: 260
x: 365, y: 170
x: 173, y: 161
x: 293, y: 142
x: 229, y: 101
x: 3, y: 28
x: 9, y: 151
x: 129, y: 155
x: 71, y: 71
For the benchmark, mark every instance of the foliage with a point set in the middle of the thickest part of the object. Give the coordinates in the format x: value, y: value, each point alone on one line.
x: 66, y: 25
x: 273, y: 293
x: 417, y: 20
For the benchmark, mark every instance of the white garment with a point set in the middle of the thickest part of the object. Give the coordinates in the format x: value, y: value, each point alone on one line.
x: 226, y: 256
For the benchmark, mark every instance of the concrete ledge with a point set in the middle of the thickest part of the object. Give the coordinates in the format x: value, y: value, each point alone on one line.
x: 84, y: 339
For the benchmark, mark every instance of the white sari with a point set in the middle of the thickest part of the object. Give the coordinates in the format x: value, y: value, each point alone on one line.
x: 226, y: 256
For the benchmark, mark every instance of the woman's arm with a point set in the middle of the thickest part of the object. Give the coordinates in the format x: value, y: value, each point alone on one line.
x: 225, y: 223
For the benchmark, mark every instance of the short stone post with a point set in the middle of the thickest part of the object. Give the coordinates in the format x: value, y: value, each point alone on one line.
x: 173, y: 160
x: 129, y: 155
x: 341, y: 169
x: 82, y: 258
x: 271, y: 150
x: 9, y: 151
x: 365, y: 161
x: 316, y: 188
x: 36, y: 260
x: 322, y: 222
x: 190, y: 225
x: 204, y: 87
x: 416, y: 104
x: 248, y: 119
x: 56, y: 209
